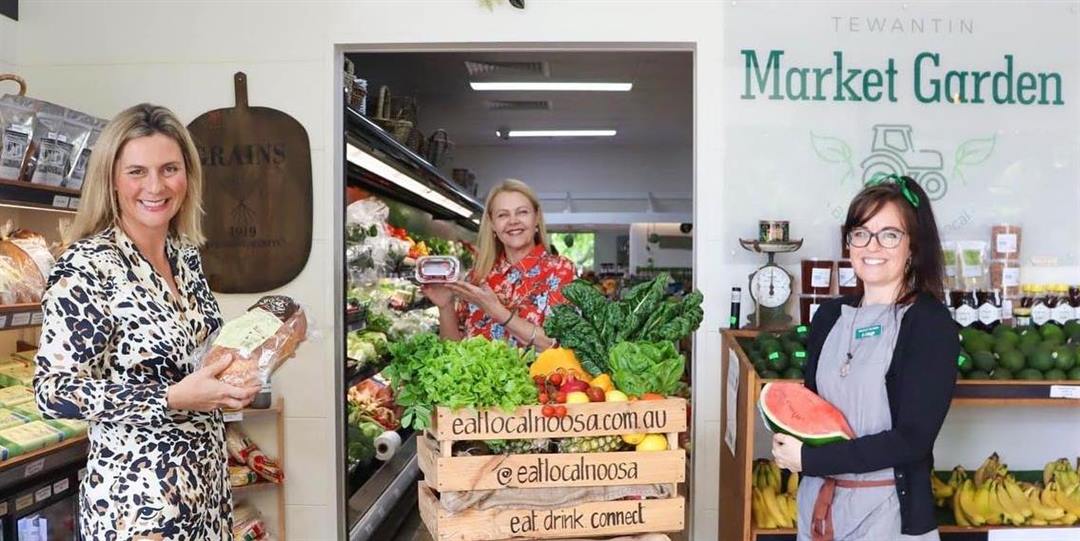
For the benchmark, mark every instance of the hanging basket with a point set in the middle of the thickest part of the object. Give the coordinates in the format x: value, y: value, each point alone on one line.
x: 398, y: 122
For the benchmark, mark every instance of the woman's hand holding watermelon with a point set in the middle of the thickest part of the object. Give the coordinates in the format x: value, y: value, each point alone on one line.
x: 787, y: 452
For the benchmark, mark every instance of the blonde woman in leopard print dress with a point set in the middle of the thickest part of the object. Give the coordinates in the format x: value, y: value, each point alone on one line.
x: 126, y: 306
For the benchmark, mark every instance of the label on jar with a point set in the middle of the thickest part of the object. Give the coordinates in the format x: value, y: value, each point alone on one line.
x: 1010, y: 277
x: 966, y: 315
x: 820, y: 278
x: 989, y: 314
x: 1007, y: 309
x: 1040, y: 314
x: 1006, y: 243
x: 846, y: 277
x: 1063, y: 313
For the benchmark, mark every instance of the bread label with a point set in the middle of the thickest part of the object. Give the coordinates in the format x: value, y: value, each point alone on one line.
x: 249, y: 331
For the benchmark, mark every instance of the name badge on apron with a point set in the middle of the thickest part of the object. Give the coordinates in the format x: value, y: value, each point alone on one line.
x: 868, y: 332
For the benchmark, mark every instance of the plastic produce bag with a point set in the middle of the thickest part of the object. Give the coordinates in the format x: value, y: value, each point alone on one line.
x: 258, y: 342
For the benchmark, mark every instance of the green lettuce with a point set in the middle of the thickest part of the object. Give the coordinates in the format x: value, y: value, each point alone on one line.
x: 427, y: 372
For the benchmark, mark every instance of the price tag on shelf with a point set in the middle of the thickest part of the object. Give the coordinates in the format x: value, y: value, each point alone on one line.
x: 37, y: 317
x: 24, y: 501
x: 43, y: 493
x: 34, y: 468
x: 73, y: 203
x: 61, y: 201
x: 21, y: 319
x: 3, y: 321
x: 1065, y: 391
x: 233, y: 416
x: 1033, y: 534
x: 60, y: 486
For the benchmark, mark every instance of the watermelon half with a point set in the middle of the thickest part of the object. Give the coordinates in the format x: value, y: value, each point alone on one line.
x: 790, y: 408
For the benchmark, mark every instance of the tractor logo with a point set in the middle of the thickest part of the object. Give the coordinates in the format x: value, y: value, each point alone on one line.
x: 893, y: 151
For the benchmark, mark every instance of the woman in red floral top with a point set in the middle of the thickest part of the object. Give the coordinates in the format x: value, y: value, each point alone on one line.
x: 516, y: 281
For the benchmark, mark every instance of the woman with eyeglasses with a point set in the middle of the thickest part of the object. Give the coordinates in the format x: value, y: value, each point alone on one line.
x: 887, y: 360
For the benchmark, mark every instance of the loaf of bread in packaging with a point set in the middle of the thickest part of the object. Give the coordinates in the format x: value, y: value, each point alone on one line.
x: 257, y: 342
x: 28, y: 253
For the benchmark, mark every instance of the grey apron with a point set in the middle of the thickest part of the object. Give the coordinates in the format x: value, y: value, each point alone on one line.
x: 862, y: 514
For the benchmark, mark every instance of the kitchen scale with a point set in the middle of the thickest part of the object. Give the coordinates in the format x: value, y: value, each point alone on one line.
x: 770, y: 285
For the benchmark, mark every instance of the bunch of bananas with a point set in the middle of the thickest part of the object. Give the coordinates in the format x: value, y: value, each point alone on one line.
x: 772, y: 501
x: 994, y: 497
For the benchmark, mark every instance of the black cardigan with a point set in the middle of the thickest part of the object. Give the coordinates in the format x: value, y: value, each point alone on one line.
x: 919, y: 385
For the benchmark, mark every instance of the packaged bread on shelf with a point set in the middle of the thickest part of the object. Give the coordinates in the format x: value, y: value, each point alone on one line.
x: 25, y: 263
x: 258, y: 342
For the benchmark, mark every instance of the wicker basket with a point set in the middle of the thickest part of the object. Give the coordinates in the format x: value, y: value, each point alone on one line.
x: 439, y: 148
x: 399, y: 122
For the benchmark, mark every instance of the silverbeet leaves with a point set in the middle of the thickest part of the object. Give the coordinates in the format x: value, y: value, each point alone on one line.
x: 591, y: 325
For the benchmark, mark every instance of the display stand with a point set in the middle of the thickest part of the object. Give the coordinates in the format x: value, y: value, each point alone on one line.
x: 275, y: 413
x: 735, y: 466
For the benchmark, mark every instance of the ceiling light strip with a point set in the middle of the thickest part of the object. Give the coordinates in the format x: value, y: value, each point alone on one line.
x: 552, y: 87
x: 367, y: 161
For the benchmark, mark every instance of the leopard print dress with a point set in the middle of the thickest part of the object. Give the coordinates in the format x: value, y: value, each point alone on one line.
x: 113, y: 339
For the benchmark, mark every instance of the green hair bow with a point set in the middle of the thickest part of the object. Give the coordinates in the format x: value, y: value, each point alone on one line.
x: 900, y: 181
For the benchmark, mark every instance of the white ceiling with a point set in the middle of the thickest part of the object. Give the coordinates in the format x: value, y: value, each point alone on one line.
x: 657, y: 112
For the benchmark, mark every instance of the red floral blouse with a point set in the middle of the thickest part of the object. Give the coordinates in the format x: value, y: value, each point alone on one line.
x: 530, y: 288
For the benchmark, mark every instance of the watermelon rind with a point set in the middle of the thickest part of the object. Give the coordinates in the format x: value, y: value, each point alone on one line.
x: 812, y: 440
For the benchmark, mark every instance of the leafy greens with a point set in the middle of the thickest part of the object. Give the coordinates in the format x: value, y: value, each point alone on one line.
x: 591, y: 325
x: 646, y: 367
x: 426, y: 372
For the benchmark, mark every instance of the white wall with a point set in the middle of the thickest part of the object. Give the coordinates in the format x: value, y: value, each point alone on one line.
x: 607, y: 247
x: 641, y: 250
x: 102, y: 56
x: 562, y: 167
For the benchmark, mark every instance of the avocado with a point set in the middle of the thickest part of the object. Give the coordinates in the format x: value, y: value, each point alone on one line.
x: 1055, y: 374
x: 1012, y: 360
x: 984, y: 361
x: 1074, y: 374
x: 1001, y: 374
x: 1041, y: 360
x: 1030, y: 374
x: 978, y: 374
x: 793, y: 373
x: 1064, y: 358
x: 964, y: 362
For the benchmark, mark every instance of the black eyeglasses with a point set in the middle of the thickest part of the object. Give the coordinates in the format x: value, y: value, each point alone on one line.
x: 889, y: 237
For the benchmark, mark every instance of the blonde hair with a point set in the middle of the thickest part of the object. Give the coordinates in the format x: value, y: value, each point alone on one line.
x: 489, y: 247
x: 99, y: 209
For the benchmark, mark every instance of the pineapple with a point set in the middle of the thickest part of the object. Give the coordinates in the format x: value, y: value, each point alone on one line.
x: 519, y: 447
x: 601, y: 444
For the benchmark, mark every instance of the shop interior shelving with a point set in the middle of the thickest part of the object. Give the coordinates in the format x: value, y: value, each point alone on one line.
x: 381, y: 493
x: 735, y: 480
x: 19, y: 316
x: 363, y: 134
x: 15, y: 193
x: 275, y: 413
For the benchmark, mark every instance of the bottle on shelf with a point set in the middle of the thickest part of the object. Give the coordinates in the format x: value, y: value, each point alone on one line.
x: 736, y: 307
x: 967, y: 308
x: 989, y: 309
x: 1040, y: 306
x: 1063, y: 312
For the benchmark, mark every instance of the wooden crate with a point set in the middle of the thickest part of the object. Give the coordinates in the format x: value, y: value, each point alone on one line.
x: 585, y: 520
x: 444, y: 472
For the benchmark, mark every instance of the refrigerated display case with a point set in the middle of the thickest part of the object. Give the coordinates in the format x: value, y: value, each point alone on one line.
x: 399, y: 207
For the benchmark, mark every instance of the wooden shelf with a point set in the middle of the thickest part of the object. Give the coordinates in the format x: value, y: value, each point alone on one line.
x: 34, y: 455
x: 19, y: 316
x: 257, y: 486
x: 38, y: 196
x: 275, y: 409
